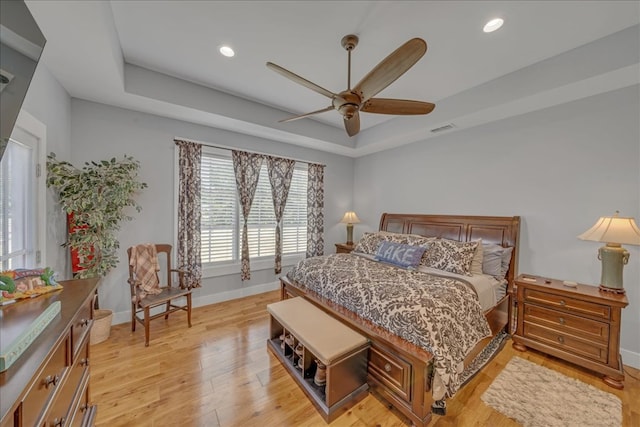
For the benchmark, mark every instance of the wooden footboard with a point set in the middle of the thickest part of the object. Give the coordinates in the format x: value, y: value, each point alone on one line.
x: 397, y: 370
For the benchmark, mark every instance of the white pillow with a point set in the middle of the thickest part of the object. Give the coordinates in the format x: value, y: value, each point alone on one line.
x: 476, y: 262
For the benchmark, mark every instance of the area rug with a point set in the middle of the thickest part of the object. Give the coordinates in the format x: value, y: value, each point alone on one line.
x: 536, y: 396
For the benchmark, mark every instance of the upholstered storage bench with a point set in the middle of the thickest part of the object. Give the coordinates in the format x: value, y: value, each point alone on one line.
x: 342, y: 350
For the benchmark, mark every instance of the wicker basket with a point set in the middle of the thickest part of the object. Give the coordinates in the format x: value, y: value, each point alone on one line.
x: 101, y: 326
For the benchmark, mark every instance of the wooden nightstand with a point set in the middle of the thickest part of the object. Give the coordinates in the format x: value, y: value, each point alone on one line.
x: 344, y: 248
x: 578, y: 324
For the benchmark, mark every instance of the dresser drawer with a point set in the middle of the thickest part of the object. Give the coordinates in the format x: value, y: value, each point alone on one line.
x: 81, y: 325
x: 50, y: 378
x: 568, y: 304
x: 566, y: 342
x: 566, y: 323
x: 392, y: 371
x: 83, y: 414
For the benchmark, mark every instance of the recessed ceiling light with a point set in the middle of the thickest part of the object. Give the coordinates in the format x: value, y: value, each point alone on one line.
x: 493, y: 25
x: 227, y: 51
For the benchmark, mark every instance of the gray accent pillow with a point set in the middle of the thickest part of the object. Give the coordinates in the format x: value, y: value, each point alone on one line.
x: 495, y: 261
x: 400, y: 254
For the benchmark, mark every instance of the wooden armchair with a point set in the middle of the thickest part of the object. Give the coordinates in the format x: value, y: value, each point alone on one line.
x: 142, y: 302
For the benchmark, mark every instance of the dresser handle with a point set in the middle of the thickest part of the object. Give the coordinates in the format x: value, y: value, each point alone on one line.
x: 561, y: 340
x: 562, y: 302
x: 387, y: 367
x: 84, y: 407
x: 84, y: 362
x: 51, y: 379
x: 59, y: 422
x: 561, y: 320
x: 84, y: 322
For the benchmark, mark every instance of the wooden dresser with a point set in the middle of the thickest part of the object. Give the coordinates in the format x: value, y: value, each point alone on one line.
x: 578, y: 324
x: 48, y: 385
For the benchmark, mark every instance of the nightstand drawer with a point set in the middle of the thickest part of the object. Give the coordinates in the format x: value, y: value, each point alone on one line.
x: 568, y: 304
x: 566, y: 323
x: 567, y: 342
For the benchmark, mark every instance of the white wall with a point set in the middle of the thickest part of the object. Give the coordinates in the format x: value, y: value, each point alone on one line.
x: 102, y: 132
x: 49, y: 102
x: 560, y: 169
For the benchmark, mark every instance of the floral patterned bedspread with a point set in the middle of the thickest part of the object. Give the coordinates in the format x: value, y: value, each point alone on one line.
x: 440, y: 314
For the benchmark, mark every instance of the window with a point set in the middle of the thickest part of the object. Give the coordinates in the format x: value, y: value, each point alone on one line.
x: 221, y: 221
x: 21, y: 190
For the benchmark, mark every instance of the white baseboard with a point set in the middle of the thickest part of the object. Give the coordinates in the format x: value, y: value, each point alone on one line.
x: 125, y: 316
x: 630, y: 358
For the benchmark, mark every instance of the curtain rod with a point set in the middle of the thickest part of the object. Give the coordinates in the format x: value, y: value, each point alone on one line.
x: 226, y: 147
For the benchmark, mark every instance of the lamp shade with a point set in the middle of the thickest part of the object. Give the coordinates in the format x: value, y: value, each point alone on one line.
x: 350, y: 218
x: 613, y: 229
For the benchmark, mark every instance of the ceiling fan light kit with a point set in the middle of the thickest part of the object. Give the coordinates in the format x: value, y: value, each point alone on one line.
x: 351, y: 101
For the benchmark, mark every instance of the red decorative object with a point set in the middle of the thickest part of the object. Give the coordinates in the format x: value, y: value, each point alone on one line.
x: 75, y: 257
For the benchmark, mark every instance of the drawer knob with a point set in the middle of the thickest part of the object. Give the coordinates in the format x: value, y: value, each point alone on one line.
x: 51, y: 379
x: 59, y: 422
x: 84, y: 407
x: 84, y: 322
x: 387, y: 367
x: 84, y: 362
x: 562, y: 302
x: 561, y: 340
x: 561, y: 320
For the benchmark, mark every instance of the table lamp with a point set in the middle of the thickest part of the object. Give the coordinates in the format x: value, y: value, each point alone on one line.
x: 350, y: 218
x: 613, y: 230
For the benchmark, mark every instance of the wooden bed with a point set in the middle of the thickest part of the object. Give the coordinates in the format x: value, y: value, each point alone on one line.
x: 398, y: 370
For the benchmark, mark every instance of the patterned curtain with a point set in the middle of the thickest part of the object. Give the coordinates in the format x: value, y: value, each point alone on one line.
x: 189, y: 212
x: 280, y: 173
x: 315, y: 205
x: 247, y: 170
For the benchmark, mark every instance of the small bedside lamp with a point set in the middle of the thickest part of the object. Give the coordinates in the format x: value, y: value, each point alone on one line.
x: 350, y: 218
x: 613, y: 230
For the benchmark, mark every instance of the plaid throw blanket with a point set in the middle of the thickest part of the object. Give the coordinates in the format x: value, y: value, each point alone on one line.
x: 144, y: 261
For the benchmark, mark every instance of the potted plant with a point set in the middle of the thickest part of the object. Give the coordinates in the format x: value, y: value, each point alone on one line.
x: 95, y: 198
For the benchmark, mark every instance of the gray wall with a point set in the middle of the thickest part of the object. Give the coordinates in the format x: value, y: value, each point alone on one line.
x: 560, y: 169
x: 49, y: 102
x: 102, y: 132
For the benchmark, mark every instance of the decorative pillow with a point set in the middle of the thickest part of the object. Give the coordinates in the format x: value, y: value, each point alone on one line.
x: 450, y: 255
x: 370, y: 242
x: 492, y: 259
x: 496, y: 260
x: 506, y: 259
x: 476, y: 262
x: 400, y: 254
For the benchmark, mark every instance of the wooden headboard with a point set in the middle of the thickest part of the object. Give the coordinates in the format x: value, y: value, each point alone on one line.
x: 501, y: 230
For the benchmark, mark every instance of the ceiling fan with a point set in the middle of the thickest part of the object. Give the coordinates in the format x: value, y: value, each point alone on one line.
x: 351, y: 101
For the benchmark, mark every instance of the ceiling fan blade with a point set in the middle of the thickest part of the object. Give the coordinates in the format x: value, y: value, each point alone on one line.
x: 352, y: 125
x: 302, y: 116
x: 403, y: 107
x: 392, y: 67
x: 300, y: 80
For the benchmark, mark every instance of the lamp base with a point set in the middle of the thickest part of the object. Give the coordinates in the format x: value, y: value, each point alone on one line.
x: 619, y: 291
x: 349, y: 234
x: 613, y: 258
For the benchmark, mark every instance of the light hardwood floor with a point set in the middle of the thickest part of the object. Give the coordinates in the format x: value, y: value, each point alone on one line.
x: 220, y: 373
